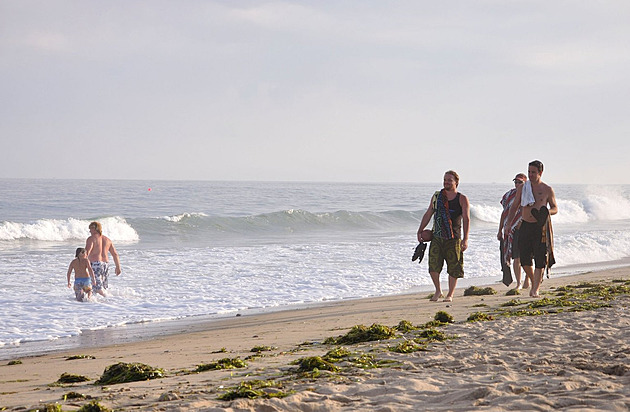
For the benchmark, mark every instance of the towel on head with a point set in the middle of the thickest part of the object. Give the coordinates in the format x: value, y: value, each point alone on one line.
x: 527, y: 196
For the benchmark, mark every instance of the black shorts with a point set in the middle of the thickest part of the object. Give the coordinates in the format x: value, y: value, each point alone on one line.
x: 531, y: 245
x: 516, y: 253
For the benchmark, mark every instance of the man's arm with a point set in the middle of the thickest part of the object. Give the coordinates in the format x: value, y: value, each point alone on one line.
x: 553, y: 206
x: 425, y: 220
x: 463, y: 201
x: 114, y: 254
x: 69, y: 273
x: 89, y: 245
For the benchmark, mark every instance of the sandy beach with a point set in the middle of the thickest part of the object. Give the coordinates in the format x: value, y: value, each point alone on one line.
x: 569, y: 360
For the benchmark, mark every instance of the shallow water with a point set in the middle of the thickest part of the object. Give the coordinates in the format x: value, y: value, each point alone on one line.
x: 194, y: 249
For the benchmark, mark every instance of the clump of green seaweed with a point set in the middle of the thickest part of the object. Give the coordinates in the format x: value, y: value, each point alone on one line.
x: 477, y: 291
x: 523, y: 312
x: 433, y: 335
x: 405, y: 326
x: 73, y: 395
x: 129, y: 372
x: 571, y: 302
x: 49, y: 407
x: 361, y: 333
x: 513, y: 292
x: 93, y: 406
x: 336, y: 354
x: 444, y: 317
x: 479, y: 317
x: 408, y: 346
x: 312, y: 363
x: 74, y: 357
x: 258, y: 349
x: 254, y: 389
x: 15, y: 362
x: 513, y: 302
x: 366, y: 361
x: 225, y: 363
x: 71, y: 378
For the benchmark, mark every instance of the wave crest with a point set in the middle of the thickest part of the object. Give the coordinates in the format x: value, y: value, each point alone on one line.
x: 116, y: 228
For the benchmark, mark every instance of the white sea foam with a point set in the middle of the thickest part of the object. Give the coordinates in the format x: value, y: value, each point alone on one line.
x: 485, y: 213
x: 182, y: 216
x: 116, y: 228
x: 604, y: 203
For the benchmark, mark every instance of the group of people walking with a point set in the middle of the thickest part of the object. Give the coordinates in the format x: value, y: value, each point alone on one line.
x: 525, y: 230
x: 91, y: 264
x: 525, y: 234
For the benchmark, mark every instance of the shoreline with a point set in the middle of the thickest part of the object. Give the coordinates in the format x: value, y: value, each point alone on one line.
x: 145, y: 331
x: 596, y: 333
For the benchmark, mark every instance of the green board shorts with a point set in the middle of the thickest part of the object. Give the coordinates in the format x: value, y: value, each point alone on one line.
x: 449, y: 250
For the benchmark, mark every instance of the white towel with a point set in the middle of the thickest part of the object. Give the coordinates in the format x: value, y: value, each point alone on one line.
x: 527, y: 195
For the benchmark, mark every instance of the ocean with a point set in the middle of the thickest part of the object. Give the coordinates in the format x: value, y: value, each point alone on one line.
x: 194, y: 250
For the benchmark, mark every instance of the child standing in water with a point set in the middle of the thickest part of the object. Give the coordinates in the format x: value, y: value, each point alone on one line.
x: 82, y: 275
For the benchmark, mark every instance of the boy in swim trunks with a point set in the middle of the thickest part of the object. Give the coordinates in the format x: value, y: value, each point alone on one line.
x: 98, y: 247
x: 82, y: 274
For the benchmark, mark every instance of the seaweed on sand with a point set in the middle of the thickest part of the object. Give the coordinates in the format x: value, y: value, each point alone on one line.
x: 129, y: 372
x: 312, y: 363
x: 404, y: 326
x: 74, y: 357
x: 73, y: 395
x: 479, y: 317
x: 361, y: 333
x: 433, y: 335
x: 254, y: 389
x: 71, y: 378
x: 477, y: 291
x: 225, y: 363
x: 408, y: 346
x: 444, y: 317
x: 49, y: 407
x: 93, y: 406
x: 336, y: 354
x: 258, y: 349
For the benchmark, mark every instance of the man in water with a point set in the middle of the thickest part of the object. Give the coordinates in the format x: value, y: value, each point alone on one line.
x: 450, y: 210
x: 509, y: 244
x: 97, y: 247
x: 536, y: 234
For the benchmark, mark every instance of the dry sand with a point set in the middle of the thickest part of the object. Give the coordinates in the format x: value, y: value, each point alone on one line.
x: 576, y: 361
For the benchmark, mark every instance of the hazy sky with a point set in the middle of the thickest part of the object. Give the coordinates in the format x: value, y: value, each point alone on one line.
x: 392, y: 91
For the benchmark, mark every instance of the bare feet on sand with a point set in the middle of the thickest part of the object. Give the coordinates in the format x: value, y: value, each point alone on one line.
x: 436, y: 296
x: 448, y: 299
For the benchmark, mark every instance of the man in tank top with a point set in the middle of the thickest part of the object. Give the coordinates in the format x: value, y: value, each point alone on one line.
x: 451, y: 222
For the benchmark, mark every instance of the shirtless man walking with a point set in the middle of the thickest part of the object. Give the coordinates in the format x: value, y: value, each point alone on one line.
x: 97, y: 247
x: 534, y: 228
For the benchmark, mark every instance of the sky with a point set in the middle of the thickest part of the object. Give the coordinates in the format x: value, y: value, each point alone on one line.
x: 351, y: 91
